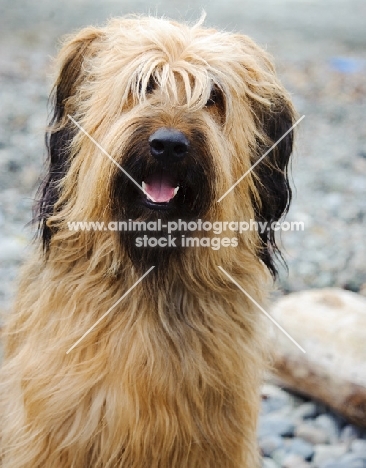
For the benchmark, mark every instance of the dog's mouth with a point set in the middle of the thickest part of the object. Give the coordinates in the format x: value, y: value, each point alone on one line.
x: 165, y: 190
x: 171, y: 190
x: 160, y: 188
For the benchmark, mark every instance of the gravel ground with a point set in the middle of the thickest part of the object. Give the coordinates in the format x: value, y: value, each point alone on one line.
x: 321, y: 56
x: 298, y: 433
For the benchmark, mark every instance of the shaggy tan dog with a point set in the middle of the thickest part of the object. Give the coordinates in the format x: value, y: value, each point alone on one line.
x: 170, y: 377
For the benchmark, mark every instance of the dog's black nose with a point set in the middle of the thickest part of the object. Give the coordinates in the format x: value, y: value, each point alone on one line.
x: 168, y: 145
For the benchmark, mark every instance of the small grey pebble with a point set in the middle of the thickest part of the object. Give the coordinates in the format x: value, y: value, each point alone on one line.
x: 352, y: 460
x: 359, y: 446
x: 329, y: 464
x: 279, y: 456
x: 349, y: 433
x: 294, y: 461
x: 330, y: 424
x: 268, y: 463
x: 301, y: 448
x: 305, y: 411
x: 311, y: 433
x: 349, y: 460
x: 275, y: 424
x: 274, y: 399
x: 327, y: 453
x: 269, y: 444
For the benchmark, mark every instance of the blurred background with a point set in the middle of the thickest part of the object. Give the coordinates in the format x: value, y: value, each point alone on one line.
x: 319, y: 48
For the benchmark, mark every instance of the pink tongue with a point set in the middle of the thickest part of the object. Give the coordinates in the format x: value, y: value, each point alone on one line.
x: 160, y: 187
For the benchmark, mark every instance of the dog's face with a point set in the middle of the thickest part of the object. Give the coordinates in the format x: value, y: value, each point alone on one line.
x: 167, y: 153
x: 185, y: 112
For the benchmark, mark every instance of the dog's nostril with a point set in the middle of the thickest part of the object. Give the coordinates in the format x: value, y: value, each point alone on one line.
x: 168, y: 145
x: 157, y: 145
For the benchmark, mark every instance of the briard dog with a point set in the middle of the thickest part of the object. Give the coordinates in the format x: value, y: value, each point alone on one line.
x: 153, y: 122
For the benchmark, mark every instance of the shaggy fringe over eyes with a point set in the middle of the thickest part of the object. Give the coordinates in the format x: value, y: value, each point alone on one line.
x: 151, y: 76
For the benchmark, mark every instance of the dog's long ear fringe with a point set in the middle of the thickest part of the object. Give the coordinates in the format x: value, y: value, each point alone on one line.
x: 272, y: 180
x: 60, y: 131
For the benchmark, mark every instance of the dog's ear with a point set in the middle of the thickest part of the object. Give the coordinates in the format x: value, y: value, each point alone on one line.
x: 60, y: 130
x: 271, y: 178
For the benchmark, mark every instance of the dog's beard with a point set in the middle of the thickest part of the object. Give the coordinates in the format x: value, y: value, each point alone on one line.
x: 172, y: 192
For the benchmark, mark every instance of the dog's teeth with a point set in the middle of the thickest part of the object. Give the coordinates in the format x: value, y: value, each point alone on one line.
x: 143, y: 185
x: 176, y: 190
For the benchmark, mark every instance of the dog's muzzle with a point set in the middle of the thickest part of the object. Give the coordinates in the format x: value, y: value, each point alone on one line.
x: 174, y: 170
x: 168, y: 147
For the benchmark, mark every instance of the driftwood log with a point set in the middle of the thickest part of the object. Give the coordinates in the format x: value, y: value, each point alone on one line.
x: 330, y: 325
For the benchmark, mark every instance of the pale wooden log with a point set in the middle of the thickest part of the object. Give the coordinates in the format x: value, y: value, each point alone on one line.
x: 330, y: 324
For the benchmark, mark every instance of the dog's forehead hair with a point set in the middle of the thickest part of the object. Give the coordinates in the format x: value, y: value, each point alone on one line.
x: 173, y: 40
x: 180, y: 59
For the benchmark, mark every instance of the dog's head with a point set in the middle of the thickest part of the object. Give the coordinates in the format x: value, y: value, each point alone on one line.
x: 170, y: 117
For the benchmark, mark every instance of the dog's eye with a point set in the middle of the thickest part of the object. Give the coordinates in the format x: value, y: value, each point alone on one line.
x: 151, y: 85
x: 215, y: 97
